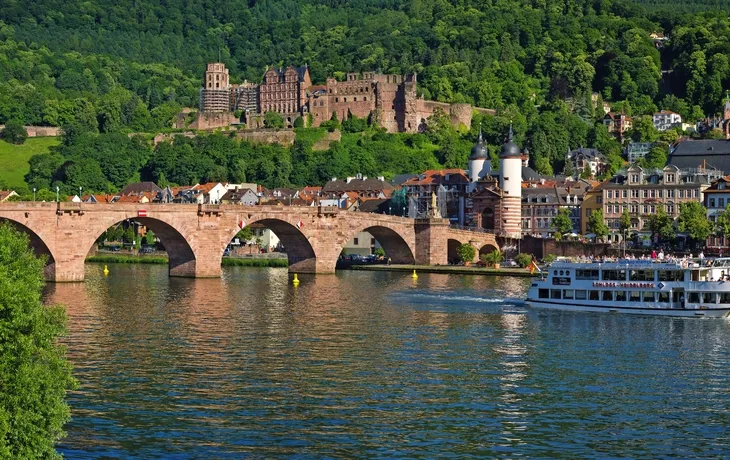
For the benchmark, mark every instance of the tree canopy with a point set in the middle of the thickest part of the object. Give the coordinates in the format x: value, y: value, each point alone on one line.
x: 34, y: 371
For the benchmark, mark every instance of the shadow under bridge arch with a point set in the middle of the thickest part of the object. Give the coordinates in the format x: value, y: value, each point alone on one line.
x: 452, y: 251
x: 299, y: 251
x: 39, y: 247
x: 181, y: 257
x: 395, y: 246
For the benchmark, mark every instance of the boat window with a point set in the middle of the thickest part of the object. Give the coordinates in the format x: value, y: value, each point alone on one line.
x: 580, y: 295
x: 555, y: 272
x: 649, y: 297
x: 671, y: 275
x: 607, y: 295
x: 614, y: 275
x: 543, y: 293
x: 641, y: 275
x: 635, y: 296
x: 592, y: 295
x: 620, y: 296
x: 586, y: 274
x: 568, y: 294
x: 708, y: 297
x: 725, y: 297
x: 663, y: 297
x: 555, y: 293
x: 694, y: 297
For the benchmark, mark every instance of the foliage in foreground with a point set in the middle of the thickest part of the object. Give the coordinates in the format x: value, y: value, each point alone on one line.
x: 34, y: 371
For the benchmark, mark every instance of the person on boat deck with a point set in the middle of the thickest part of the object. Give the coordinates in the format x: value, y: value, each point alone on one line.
x: 653, y: 253
x: 701, y: 255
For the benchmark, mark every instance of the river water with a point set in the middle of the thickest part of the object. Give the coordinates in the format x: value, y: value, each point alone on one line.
x: 373, y: 365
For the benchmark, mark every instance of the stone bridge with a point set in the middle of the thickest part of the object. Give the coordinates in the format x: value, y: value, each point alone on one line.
x: 195, y: 236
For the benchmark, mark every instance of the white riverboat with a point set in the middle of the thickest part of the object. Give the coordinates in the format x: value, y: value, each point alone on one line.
x: 688, y: 288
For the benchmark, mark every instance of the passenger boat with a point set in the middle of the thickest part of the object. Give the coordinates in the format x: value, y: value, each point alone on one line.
x: 686, y: 288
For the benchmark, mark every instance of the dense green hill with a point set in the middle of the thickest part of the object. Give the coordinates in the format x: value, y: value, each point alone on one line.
x: 686, y: 6
x: 111, y: 67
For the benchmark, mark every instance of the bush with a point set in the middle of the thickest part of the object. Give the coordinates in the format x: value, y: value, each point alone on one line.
x: 299, y: 122
x: 14, y: 133
x: 493, y: 257
x: 549, y: 258
x: 380, y: 252
x: 466, y: 252
x: 524, y: 260
x: 273, y: 120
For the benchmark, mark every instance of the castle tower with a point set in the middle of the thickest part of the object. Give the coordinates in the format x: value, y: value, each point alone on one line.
x: 215, y: 96
x: 479, y: 162
x: 510, y: 182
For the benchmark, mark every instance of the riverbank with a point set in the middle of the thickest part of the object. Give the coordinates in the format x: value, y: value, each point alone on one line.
x: 447, y: 269
x: 162, y: 260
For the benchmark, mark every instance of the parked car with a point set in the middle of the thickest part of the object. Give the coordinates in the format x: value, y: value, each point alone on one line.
x: 115, y: 248
x: 147, y: 250
x: 510, y: 263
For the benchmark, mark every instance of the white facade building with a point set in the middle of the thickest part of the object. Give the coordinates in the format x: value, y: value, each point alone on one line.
x: 666, y: 119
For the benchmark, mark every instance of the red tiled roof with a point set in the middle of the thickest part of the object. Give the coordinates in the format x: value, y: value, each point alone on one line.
x: 436, y: 176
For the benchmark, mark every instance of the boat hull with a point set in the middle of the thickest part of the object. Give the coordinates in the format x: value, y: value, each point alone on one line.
x: 678, y: 312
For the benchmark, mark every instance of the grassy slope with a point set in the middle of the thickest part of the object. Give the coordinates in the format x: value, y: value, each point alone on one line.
x: 14, y: 158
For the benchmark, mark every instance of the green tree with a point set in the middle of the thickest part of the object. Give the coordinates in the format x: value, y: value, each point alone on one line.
x: 245, y: 234
x: 562, y: 223
x: 625, y: 221
x: 35, y: 372
x: 663, y: 225
x: 693, y: 220
x: 149, y: 238
x: 298, y: 122
x: 466, y: 252
x: 587, y: 172
x: 14, y: 132
x: 273, y: 120
x: 129, y: 235
x: 597, y: 224
x: 722, y: 224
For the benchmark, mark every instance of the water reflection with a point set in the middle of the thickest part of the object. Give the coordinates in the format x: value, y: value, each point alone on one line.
x: 370, y: 365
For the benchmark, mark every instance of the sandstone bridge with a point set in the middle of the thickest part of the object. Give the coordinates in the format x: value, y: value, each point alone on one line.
x: 195, y: 236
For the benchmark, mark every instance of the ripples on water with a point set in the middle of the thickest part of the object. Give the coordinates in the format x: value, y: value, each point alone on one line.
x: 370, y: 365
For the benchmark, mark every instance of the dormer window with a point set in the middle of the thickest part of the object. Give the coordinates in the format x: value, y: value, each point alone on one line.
x: 721, y: 185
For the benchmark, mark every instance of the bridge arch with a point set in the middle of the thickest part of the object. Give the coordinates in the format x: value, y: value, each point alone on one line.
x: 182, y: 260
x: 39, y: 246
x: 452, y: 250
x: 300, y: 253
x: 486, y: 249
x: 397, y: 240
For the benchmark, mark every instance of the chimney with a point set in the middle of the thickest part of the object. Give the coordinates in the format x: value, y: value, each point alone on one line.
x: 349, y: 179
x: 381, y: 178
x: 334, y: 179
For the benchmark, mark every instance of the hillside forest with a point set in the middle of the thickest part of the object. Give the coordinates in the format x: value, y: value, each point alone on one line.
x: 102, y: 70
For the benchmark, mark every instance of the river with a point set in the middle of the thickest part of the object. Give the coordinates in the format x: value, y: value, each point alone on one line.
x: 375, y: 365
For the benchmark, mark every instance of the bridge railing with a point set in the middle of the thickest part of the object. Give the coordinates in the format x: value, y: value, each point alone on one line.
x: 474, y: 229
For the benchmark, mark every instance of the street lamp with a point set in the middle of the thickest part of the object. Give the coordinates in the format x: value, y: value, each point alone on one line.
x: 33, y: 193
x: 57, y: 190
x: 390, y: 210
x: 80, y: 193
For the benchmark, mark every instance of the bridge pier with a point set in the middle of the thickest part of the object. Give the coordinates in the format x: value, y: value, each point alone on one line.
x: 431, y: 241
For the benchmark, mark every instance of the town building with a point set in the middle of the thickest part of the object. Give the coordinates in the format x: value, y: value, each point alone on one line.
x: 242, y: 196
x: 592, y: 202
x: 592, y: 159
x: 638, y: 150
x: 360, y: 186
x: 643, y: 192
x: 542, y: 201
x: 666, y: 119
x: 449, y: 185
x: 5, y: 195
x: 362, y: 244
x: 716, y: 199
x: 711, y: 156
x: 617, y: 123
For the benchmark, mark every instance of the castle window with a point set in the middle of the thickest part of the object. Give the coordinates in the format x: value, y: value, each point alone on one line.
x: 337, y: 99
x: 365, y: 98
x: 344, y: 99
x: 355, y: 98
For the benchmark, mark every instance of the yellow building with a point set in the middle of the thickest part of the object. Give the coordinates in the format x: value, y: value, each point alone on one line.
x: 592, y: 201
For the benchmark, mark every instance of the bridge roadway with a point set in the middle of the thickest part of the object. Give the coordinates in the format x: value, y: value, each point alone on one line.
x: 195, y: 236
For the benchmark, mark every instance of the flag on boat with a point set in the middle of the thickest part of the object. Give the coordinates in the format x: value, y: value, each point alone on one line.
x: 300, y: 224
x: 533, y: 266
